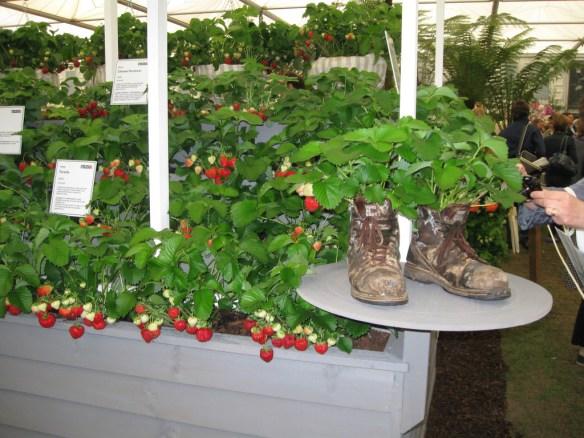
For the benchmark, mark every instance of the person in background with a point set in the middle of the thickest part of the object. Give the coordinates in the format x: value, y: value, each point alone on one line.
x: 539, y: 124
x: 555, y: 143
x: 566, y: 207
x: 521, y: 128
x: 570, y: 117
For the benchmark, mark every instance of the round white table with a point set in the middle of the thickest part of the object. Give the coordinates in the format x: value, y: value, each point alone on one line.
x: 429, y: 307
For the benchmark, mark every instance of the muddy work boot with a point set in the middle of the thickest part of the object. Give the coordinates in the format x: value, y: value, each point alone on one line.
x: 440, y: 254
x: 374, y: 270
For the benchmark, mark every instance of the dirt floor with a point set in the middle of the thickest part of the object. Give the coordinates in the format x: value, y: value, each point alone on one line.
x: 520, y: 382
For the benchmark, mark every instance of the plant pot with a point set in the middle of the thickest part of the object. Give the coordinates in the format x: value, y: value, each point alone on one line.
x: 176, y: 386
x: 364, y: 63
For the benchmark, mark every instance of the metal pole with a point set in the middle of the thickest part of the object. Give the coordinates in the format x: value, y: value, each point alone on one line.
x: 158, y: 115
x: 408, y: 91
x: 111, y: 38
x: 439, y: 57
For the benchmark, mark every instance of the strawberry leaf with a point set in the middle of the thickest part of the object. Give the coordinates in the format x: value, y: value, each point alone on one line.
x: 345, y: 344
x: 244, y: 212
x: 124, y: 303
x: 204, y: 303
x: 28, y: 274
x: 5, y: 281
x: 57, y: 252
x: 197, y: 210
x: 306, y: 152
x: 169, y: 249
x: 279, y: 242
x: 252, y: 300
x: 329, y: 192
x: 142, y: 235
x: 255, y: 247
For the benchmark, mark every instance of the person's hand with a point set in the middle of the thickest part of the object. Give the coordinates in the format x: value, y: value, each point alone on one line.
x: 521, y: 168
x: 563, y: 208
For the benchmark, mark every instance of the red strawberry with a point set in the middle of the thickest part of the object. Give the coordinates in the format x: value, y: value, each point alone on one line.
x: 289, y: 340
x: 76, y: 63
x: 139, y: 308
x: 148, y: 335
x: 257, y: 335
x: 321, y: 347
x: 45, y: 70
x: 285, y: 173
x: 204, y: 334
x: 277, y: 342
x: 298, y: 230
x: 492, y: 207
x: 236, y: 106
x: 268, y: 330
x: 267, y: 354
x: 119, y: 173
x: 180, y: 325
x: 231, y: 162
x: 89, y: 219
x: 44, y: 290
x: 77, y: 311
x: 192, y: 330
x: 301, y: 344
x: 223, y: 161
x: 218, y: 181
x: 51, y: 165
x: 47, y: 320
x: 224, y: 173
x: 13, y: 310
x: 311, y: 204
x: 92, y: 105
x: 106, y: 170
x: 98, y: 317
x: 99, y: 324
x: 317, y: 246
x: 173, y: 312
x: 87, y: 322
x: 65, y: 312
x: 248, y: 324
x: 76, y: 331
x: 211, y: 173
x: 310, y: 34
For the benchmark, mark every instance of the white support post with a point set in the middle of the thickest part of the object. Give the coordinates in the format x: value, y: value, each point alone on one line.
x: 111, y: 38
x: 158, y: 114
x: 439, y: 57
x: 408, y: 91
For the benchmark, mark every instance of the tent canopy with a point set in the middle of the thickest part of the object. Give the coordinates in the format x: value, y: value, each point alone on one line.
x: 559, y: 22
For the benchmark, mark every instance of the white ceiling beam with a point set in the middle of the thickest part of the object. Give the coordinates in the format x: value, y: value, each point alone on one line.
x: 9, y: 5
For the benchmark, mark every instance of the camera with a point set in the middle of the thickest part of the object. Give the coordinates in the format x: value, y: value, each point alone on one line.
x: 531, y: 183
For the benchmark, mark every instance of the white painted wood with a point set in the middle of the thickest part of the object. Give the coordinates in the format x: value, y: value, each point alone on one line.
x: 407, y: 99
x: 439, y: 56
x: 158, y: 115
x: 220, y: 388
x: 110, y: 38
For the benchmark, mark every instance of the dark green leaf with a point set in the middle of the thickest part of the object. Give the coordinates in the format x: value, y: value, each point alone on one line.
x: 125, y: 302
x: 244, y: 212
x: 329, y: 192
x: 57, y: 252
x: 252, y: 300
x: 204, y: 304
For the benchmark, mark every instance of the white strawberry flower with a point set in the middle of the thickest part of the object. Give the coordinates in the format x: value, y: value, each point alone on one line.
x: 313, y: 338
x: 84, y: 314
x: 277, y: 327
x: 137, y: 320
x: 280, y: 334
x: 131, y: 163
x: 67, y: 291
x: 2, y: 220
x: 308, y: 164
x: 152, y: 327
x: 171, y: 300
x: 88, y: 307
x: 139, y: 169
x: 308, y: 330
x: 166, y: 293
x: 192, y: 321
x: 269, y: 317
x: 198, y: 170
x: 96, y: 212
x: 204, y: 113
x: 144, y: 318
x: 308, y: 189
x: 159, y: 321
x: 34, y: 308
x: 300, y: 190
x: 194, y: 157
x: 298, y: 329
x: 331, y: 342
x: 110, y: 320
x: 212, y: 159
x: 43, y: 307
x: 56, y: 304
x: 90, y: 316
x: 284, y: 168
x: 83, y: 285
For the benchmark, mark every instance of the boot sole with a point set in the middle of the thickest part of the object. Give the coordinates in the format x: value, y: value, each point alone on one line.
x: 424, y: 276
x: 380, y: 302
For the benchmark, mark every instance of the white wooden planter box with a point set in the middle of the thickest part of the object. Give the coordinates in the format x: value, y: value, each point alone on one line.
x: 112, y: 384
x: 209, y: 69
x: 364, y: 63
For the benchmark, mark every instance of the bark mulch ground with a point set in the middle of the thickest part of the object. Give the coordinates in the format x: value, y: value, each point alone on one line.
x: 469, y: 393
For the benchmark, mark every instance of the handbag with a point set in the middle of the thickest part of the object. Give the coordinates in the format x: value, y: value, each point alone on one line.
x: 532, y: 164
x: 561, y: 163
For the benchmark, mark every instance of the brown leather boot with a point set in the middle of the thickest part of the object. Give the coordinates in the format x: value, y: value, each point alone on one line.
x: 440, y: 254
x: 374, y: 270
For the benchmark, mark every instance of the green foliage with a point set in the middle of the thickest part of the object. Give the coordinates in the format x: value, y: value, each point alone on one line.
x: 487, y: 234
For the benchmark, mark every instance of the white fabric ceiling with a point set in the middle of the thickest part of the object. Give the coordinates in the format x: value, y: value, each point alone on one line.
x: 558, y: 22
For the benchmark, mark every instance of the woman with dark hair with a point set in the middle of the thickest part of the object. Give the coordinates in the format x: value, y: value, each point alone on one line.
x: 520, y: 134
x: 559, y: 142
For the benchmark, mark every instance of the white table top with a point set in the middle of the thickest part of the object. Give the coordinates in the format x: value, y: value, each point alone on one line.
x: 429, y: 307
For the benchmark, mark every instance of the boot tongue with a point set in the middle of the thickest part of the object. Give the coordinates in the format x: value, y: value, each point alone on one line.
x: 455, y: 214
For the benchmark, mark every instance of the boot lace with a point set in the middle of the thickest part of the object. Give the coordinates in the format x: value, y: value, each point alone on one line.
x: 454, y: 238
x: 372, y: 239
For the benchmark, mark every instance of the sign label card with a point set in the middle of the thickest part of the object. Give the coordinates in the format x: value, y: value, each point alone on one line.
x: 11, y: 121
x: 130, y: 82
x: 73, y: 187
